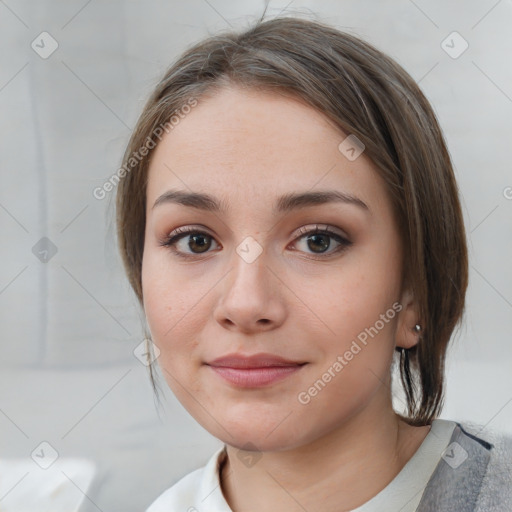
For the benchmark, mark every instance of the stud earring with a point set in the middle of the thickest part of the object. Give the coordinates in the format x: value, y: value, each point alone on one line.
x: 417, y: 328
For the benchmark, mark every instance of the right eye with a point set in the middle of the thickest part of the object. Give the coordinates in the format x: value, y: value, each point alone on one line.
x: 189, y: 238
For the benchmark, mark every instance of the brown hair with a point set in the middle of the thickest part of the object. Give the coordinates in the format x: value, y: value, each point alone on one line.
x: 365, y: 93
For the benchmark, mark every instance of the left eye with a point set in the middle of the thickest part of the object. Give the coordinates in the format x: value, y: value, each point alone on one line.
x: 321, y: 239
x: 318, y: 240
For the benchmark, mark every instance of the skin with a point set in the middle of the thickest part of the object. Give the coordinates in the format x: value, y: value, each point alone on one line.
x: 247, y: 148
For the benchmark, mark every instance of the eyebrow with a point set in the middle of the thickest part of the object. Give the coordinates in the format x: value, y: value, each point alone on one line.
x: 285, y: 203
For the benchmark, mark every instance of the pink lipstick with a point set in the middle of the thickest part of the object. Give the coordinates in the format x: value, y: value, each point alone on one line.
x: 254, y: 371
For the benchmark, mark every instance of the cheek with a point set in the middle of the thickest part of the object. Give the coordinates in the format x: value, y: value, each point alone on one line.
x: 350, y: 297
x: 351, y: 309
x: 173, y: 308
x: 161, y: 302
x: 170, y: 319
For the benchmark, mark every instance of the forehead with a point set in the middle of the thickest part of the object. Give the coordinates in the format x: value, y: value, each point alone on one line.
x: 248, y: 145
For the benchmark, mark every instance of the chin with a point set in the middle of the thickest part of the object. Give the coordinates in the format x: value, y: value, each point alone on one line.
x: 258, y: 441
x: 258, y: 432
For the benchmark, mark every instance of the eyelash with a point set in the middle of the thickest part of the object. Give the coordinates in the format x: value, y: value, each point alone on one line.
x: 171, y: 240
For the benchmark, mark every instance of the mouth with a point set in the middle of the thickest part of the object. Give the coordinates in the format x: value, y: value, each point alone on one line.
x: 254, y: 371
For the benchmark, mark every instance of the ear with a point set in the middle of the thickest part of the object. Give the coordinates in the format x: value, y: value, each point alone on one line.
x: 406, y: 335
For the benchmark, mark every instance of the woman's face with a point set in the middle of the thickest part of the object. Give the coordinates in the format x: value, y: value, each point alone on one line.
x: 251, y: 280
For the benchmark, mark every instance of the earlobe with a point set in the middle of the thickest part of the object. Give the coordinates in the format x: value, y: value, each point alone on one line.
x: 409, y: 326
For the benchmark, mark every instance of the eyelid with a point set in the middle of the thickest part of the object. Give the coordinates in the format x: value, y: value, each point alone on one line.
x: 193, y: 228
x: 322, y: 228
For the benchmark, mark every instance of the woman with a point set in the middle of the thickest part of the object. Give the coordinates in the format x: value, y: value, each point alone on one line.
x: 289, y: 220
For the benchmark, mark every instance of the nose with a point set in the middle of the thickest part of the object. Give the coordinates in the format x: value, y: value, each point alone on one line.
x: 250, y: 297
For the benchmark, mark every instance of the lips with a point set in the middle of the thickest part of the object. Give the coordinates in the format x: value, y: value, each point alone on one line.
x: 252, y: 361
x: 255, y: 370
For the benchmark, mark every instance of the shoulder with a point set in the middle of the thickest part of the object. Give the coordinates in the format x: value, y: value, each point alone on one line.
x: 496, y: 488
x: 497, y: 442
x: 488, y: 466
x: 198, y: 490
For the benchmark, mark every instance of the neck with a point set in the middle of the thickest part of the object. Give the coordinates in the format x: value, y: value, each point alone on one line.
x: 337, y: 472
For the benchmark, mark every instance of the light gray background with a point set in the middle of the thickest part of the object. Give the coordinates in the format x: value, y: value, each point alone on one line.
x: 69, y: 326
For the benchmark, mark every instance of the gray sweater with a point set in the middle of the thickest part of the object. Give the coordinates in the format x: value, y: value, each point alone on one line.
x: 474, y: 475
